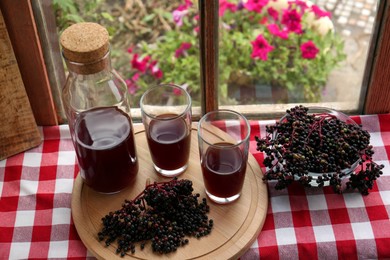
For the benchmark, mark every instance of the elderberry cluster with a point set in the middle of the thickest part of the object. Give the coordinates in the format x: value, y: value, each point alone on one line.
x: 164, y: 213
x: 303, y: 143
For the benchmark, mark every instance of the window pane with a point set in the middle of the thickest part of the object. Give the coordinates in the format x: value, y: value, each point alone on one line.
x: 293, y: 52
x: 151, y: 41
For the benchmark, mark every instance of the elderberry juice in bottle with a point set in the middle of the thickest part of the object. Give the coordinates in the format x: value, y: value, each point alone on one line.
x: 106, y: 148
x: 97, y: 107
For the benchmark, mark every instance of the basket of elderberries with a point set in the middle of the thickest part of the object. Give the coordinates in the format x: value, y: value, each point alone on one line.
x: 318, y: 147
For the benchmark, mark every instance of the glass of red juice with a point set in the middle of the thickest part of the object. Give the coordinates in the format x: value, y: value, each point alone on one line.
x: 166, y: 115
x: 223, y: 138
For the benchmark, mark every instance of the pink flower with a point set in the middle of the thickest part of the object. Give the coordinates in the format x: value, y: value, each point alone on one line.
x: 261, y: 48
x: 156, y: 72
x: 177, y: 92
x: 309, y: 50
x: 182, y: 49
x: 274, y: 29
x: 319, y: 12
x: 131, y: 83
x: 130, y: 49
x: 139, y: 64
x: 264, y: 20
x: 302, y: 4
x: 135, y: 77
x: 188, y: 3
x: 225, y: 5
x: 273, y: 13
x: 178, y: 16
x: 184, y: 7
x: 292, y: 20
x: 256, y: 5
x: 179, y: 13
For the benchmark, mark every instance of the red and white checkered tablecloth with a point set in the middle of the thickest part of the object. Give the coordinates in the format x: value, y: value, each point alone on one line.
x: 36, y: 223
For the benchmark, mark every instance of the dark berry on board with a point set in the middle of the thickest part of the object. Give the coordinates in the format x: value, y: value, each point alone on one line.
x: 164, y: 213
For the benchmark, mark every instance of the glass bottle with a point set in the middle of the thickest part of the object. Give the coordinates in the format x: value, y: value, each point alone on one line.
x: 97, y: 106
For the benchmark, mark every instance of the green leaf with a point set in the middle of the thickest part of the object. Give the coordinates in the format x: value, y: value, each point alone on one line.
x: 68, y: 6
x: 75, y: 18
x: 107, y: 16
x: 149, y: 17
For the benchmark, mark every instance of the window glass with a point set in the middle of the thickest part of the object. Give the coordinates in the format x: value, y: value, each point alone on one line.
x: 151, y: 41
x: 284, y: 52
x: 271, y: 52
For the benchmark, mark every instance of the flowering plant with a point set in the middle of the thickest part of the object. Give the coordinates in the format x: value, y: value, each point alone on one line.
x: 277, y: 42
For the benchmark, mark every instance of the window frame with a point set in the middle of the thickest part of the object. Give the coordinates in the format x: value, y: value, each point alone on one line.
x: 376, y: 98
x: 375, y: 95
x: 20, y: 22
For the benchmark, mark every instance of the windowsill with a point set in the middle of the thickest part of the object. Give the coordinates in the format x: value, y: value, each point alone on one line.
x: 264, y: 111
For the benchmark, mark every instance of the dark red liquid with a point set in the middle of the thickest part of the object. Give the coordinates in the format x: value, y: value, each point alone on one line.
x: 105, y: 149
x: 223, y: 171
x: 169, y: 143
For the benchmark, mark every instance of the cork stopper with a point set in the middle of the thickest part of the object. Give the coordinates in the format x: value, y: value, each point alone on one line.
x: 85, y: 43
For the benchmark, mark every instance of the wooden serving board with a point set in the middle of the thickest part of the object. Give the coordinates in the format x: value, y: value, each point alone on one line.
x: 236, y: 225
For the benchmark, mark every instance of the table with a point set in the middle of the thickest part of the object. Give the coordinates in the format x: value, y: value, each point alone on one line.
x: 36, y: 189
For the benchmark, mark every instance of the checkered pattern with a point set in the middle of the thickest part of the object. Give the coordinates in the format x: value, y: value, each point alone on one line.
x: 35, y: 216
x: 310, y: 223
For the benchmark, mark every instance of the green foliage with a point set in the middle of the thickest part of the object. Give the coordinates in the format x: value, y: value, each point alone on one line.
x: 69, y: 12
x: 67, y: 6
x: 285, y: 65
x: 239, y: 27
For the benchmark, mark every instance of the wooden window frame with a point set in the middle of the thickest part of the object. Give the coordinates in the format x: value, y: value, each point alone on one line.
x: 377, y: 74
x: 23, y: 33
x: 375, y: 96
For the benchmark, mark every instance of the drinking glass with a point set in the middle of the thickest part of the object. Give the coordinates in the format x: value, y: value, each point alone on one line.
x: 166, y: 115
x: 223, y: 138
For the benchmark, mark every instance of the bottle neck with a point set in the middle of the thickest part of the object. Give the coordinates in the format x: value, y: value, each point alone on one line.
x: 100, y: 66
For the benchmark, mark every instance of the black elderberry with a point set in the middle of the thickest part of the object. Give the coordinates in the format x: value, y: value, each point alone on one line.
x: 164, y: 213
x: 320, y: 143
